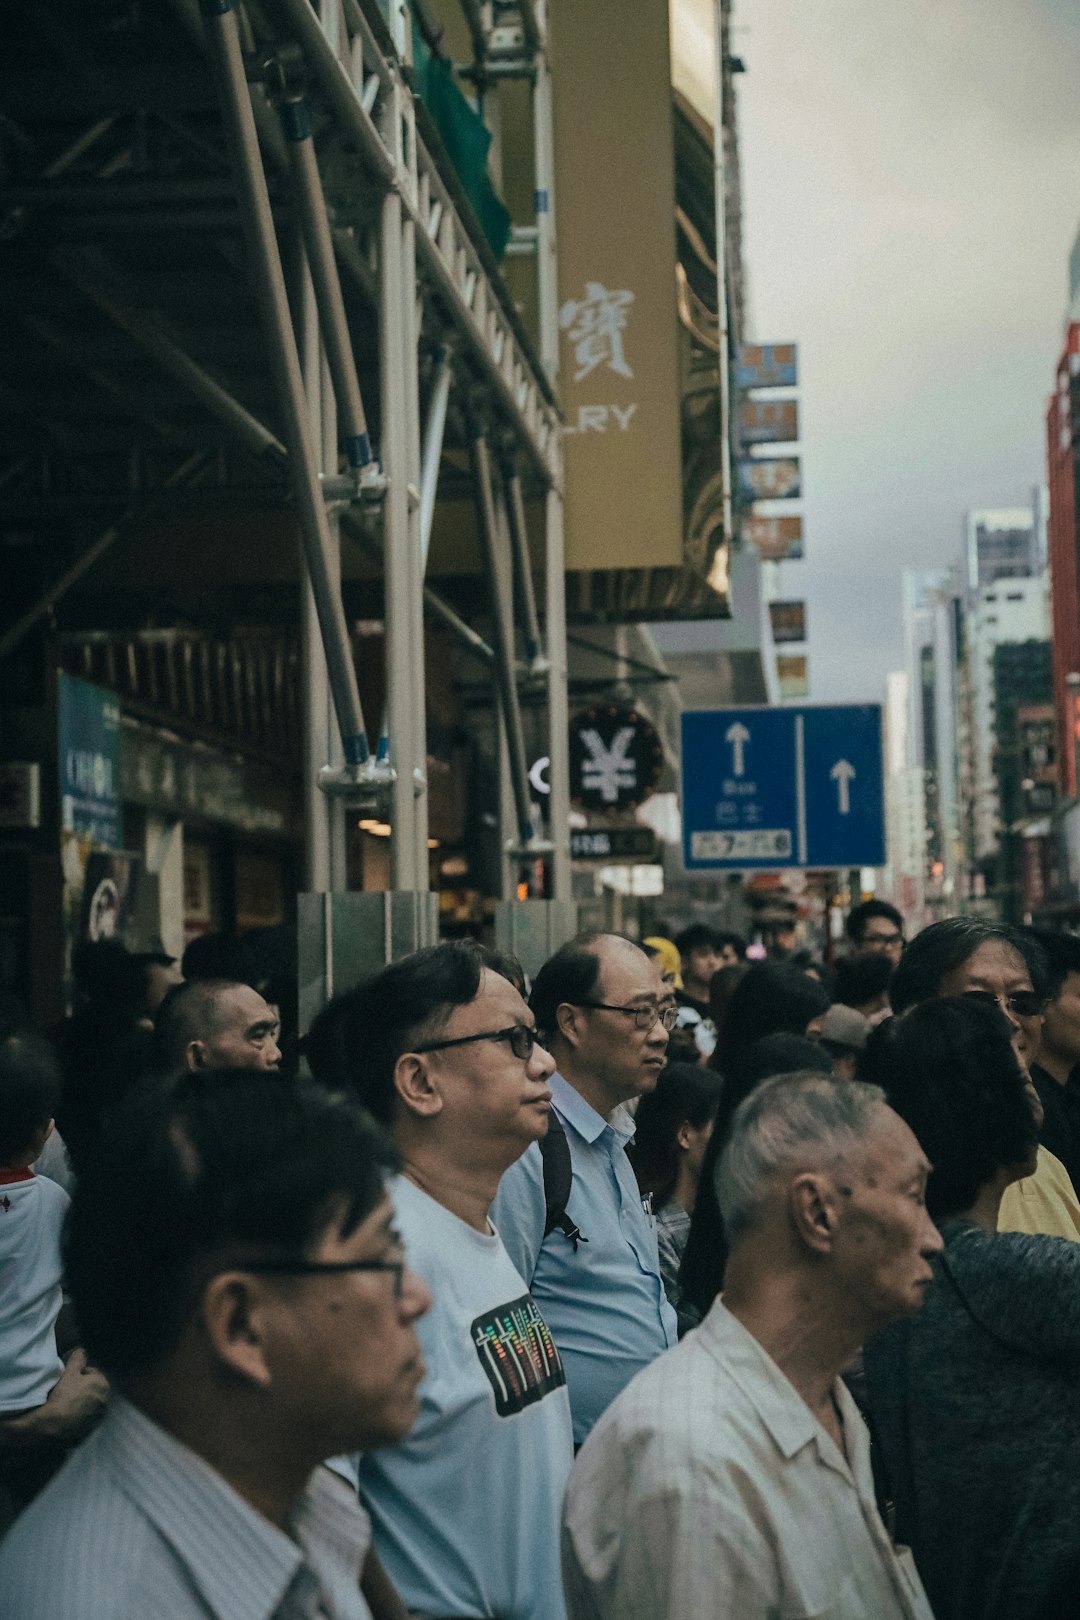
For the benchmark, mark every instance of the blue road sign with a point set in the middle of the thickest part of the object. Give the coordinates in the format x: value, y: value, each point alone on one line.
x: 783, y: 787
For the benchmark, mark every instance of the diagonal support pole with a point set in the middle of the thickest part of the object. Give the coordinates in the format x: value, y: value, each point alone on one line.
x: 315, y: 226
x: 523, y: 579
x: 242, y: 140
x: 506, y: 682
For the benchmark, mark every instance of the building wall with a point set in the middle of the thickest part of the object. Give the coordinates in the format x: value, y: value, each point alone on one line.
x: 1063, y: 449
x: 1007, y: 612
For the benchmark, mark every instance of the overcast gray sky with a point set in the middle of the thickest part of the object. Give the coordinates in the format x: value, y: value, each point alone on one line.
x: 911, y: 180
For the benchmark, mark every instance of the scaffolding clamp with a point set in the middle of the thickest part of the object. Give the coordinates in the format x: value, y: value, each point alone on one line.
x: 368, y: 782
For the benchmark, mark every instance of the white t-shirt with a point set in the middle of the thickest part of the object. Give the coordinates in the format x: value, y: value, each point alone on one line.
x: 466, y: 1509
x: 32, y: 1214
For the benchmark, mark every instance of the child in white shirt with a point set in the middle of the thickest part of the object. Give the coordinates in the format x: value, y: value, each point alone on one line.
x: 32, y: 1210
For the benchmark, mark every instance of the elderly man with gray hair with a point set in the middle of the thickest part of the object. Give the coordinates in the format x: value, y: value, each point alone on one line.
x: 732, y: 1476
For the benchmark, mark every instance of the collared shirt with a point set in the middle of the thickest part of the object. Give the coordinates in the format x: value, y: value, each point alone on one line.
x: 135, y: 1525
x: 710, y: 1490
x: 603, y: 1300
x: 1043, y: 1204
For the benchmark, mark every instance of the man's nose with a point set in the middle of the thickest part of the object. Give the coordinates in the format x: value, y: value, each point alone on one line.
x: 932, y: 1242
x: 540, y: 1064
x: 1007, y: 1010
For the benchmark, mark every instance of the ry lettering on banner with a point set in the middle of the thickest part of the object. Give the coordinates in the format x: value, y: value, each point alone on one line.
x: 595, y: 326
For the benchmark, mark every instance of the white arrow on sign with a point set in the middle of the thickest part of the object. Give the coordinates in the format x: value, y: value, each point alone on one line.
x: 738, y: 736
x: 843, y: 773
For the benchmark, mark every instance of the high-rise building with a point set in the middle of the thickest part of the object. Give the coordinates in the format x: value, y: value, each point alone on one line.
x: 1011, y: 613
x: 1000, y: 544
x: 932, y: 622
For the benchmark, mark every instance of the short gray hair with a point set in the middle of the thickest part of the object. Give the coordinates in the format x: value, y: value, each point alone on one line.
x: 773, y: 1129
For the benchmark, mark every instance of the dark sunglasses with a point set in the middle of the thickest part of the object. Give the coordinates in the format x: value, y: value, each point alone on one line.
x: 519, y: 1037
x: 1024, y: 1003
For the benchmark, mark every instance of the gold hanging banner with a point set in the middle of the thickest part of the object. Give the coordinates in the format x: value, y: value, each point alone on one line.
x: 615, y: 226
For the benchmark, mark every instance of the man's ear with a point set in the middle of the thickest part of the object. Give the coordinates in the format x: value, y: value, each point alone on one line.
x: 415, y: 1085
x: 568, y: 1022
x: 813, y: 1211
x: 196, y: 1056
x: 233, y: 1315
x: 683, y: 1135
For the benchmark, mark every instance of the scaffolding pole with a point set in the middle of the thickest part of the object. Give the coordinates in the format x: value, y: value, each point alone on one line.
x: 502, y: 613
x: 523, y: 579
x: 242, y: 140
x: 311, y: 208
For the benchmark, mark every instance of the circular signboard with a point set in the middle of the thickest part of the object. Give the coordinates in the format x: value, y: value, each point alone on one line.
x: 616, y: 758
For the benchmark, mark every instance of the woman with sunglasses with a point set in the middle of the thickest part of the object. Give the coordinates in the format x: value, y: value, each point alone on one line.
x: 1002, y: 968
x: 973, y: 1401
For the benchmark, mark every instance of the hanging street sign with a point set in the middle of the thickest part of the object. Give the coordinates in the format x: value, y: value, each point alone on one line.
x: 770, y: 478
x: 767, y: 365
x: 787, y: 621
x: 616, y: 758
x: 776, y: 539
x: 769, y: 421
x: 613, y: 844
x: 792, y: 676
x: 784, y: 787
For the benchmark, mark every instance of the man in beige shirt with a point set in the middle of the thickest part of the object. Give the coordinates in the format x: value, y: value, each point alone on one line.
x: 732, y: 1476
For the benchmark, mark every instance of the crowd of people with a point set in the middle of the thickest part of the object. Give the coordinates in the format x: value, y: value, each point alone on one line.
x: 572, y: 1300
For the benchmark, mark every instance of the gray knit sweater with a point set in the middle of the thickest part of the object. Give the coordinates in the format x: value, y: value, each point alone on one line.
x: 975, y: 1409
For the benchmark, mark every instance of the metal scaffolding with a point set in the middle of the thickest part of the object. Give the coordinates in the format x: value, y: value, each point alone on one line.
x: 309, y: 91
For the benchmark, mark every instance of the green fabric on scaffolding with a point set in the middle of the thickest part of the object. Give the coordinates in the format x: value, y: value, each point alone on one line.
x: 466, y: 138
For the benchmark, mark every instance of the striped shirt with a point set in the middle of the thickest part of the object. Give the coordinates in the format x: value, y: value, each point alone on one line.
x: 709, y: 1489
x: 137, y: 1526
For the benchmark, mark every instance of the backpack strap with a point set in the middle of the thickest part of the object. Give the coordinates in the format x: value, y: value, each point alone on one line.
x: 558, y: 1178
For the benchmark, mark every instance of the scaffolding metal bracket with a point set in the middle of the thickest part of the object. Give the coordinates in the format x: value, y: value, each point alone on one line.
x: 369, y: 783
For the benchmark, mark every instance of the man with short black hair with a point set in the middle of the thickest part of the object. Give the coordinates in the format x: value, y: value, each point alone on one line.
x: 441, y: 1047
x: 605, y: 1013
x: 216, y: 1024
x: 700, y: 958
x: 875, y: 925
x: 235, y: 1269
x: 733, y: 1476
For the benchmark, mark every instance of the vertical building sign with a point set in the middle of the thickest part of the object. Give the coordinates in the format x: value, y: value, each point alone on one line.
x: 89, y: 742
x: 615, y: 226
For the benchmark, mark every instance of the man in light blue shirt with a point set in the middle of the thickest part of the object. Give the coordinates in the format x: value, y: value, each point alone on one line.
x: 601, y: 1004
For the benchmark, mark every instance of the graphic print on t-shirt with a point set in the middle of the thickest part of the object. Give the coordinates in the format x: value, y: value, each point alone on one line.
x: 518, y: 1355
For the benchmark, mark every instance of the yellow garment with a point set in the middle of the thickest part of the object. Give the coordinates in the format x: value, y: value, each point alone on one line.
x: 1044, y: 1205
x: 670, y: 960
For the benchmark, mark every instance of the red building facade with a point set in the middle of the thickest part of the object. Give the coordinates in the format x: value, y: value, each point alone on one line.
x: 1063, y: 469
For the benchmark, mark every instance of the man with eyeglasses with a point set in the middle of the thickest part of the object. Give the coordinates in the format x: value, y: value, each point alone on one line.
x: 441, y: 1048
x: 605, y: 1015
x: 875, y: 928
x: 971, y: 956
x: 236, y: 1272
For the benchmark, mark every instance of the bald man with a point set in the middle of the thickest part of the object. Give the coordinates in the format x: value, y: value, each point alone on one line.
x: 216, y: 1024
x: 605, y: 1015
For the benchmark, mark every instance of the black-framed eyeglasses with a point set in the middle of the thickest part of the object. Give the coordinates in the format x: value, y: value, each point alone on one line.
x: 519, y: 1037
x: 1024, y: 1003
x: 321, y: 1268
x: 644, y: 1016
